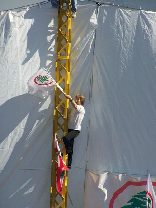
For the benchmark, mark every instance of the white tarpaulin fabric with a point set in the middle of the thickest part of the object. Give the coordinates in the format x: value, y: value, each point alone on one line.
x: 113, y: 64
x: 121, y: 106
x: 27, y: 43
x: 122, y: 115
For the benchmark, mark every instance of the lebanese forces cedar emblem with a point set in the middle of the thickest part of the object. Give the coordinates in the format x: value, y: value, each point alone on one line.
x: 140, y: 200
x: 43, y: 80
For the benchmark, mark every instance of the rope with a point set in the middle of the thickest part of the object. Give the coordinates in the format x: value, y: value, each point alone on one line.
x: 23, y: 7
x: 119, y: 6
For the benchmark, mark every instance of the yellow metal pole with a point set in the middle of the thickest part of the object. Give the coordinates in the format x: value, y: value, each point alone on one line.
x: 60, y: 117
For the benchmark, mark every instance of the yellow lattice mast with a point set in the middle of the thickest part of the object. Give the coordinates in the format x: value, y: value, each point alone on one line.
x: 62, y: 77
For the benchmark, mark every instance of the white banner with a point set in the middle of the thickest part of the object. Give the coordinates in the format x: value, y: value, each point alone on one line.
x: 116, y: 191
x: 41, y: 84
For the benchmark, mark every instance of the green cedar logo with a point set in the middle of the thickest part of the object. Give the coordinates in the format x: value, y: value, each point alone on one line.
x: 63, y: 174
x: 138, y: 201
x: 43, y: 80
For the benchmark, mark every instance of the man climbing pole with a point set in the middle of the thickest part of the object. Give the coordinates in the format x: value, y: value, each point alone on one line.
x: 74, y: 127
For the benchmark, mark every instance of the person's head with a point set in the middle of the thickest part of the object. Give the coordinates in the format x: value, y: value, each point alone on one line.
x: 80, y: 99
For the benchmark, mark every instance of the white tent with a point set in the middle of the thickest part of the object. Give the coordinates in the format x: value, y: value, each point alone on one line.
x: 113, y: 61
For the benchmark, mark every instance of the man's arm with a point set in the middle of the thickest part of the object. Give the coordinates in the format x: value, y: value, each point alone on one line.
x: 72, y: 101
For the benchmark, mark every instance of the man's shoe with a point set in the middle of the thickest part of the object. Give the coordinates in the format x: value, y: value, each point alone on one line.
x: 73, y: 14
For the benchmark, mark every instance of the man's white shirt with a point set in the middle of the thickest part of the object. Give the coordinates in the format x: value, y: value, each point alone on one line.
x: 76, y: 117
